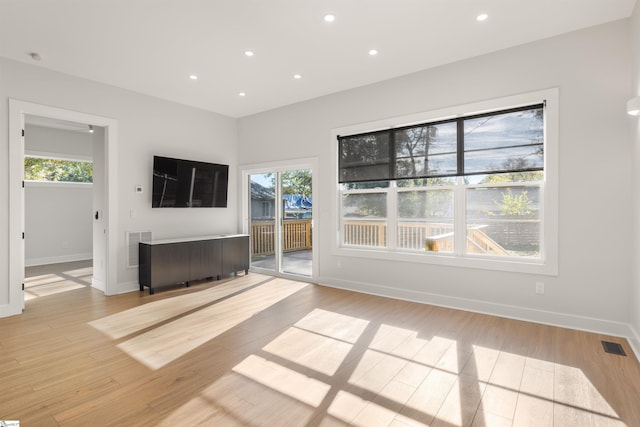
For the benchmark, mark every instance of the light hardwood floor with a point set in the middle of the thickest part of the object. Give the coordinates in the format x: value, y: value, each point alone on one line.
x: 262, y: 351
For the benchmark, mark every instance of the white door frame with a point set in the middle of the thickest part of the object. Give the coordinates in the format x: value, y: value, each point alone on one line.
x: 17, y: 111
x: 295, y: 164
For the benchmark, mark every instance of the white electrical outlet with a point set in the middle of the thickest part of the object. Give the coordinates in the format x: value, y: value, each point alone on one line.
x: 339, y: 263
x: 539, y: 288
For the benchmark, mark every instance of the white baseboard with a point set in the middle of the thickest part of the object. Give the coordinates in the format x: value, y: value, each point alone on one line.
x: 582, y: 323
x: 121, y: 288
x: 634, y: 341
x: 57, y: 259
x: 98, y: 284
x: 7, y: 310
x: 125, y: 287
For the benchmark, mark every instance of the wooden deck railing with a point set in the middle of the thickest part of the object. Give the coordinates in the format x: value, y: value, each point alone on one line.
x: 296, y: 236
x: 411, y: 235
x: 478, y: 242
x: 365, y: 233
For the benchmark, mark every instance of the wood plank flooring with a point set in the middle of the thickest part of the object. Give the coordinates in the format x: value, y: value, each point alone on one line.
x: 262, y: 351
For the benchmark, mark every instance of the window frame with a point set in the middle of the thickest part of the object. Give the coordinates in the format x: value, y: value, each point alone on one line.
x: 453, y: 187
x: 546, y: 264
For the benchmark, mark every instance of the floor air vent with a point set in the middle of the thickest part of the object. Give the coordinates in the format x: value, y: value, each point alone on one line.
x: 613, y: 348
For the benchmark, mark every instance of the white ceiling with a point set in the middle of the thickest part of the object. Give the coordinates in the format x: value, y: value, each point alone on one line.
x: 151, y: 46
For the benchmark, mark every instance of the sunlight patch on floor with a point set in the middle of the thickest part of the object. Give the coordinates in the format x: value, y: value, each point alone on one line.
x: 236, y: 400
x: 83, y: 272
x: 334, y: 325
x: 43, y: 279
x: 434, y: 382
x: 52, y: 283
x: 320, y: 341
x: 577, y: 399
x: 198, y: 411
x: 283, y: 380
x: 197, y: 328
x: 136, y: 319
x: 52, y: 289
x: 341, y: 370
x: 318, y: 352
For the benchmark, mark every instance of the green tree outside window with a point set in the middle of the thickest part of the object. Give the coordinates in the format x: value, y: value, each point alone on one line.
x: 42, y: 169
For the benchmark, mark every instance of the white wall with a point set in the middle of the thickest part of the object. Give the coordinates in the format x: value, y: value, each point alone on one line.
x: 592, y: 70
x: 57, y: 222
x: 146, y: 126
x: 41, y: 140
x: 634, y: 300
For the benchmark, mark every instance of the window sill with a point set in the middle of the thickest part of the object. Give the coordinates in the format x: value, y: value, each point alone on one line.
x: 58, y: 184
x: 527, y: 266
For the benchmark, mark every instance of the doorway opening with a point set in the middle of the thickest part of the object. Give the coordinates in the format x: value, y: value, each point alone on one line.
x: 104, y: 224
x: 58, y: 188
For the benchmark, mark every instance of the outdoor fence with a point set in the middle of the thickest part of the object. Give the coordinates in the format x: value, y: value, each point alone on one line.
x: 490, y: 237
x: 296, y: 236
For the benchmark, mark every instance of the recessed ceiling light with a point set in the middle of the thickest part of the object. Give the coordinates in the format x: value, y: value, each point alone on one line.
x: 297, y: 76
x: 193, y: 77
x: 482, y: 17
x: 248, y: 53
x: 329, y: 17
x: 373, y: 52
x: 242, y: 94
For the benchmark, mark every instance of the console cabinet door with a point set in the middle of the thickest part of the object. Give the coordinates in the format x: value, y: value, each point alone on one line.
x: 235, y: 254
x: 205, y: 261
x: 170, y: 263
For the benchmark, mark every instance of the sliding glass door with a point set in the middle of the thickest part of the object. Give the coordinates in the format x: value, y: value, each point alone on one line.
x: 263, y: 220
x: 297, y: 218
x: 280, y: 218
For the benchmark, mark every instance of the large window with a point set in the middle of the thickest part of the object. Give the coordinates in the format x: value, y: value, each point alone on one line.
x: 471, y: 186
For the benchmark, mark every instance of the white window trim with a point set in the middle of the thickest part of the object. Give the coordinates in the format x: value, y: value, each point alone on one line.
x: 547, y: 264
x: 58, y: 184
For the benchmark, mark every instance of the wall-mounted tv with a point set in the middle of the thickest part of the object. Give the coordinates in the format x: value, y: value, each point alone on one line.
x: 179, y: 183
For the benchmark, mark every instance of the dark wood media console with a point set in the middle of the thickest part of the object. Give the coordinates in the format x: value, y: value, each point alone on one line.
x: 173, y: 261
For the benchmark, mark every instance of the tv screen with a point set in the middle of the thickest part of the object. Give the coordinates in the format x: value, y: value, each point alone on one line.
x: 181, y: 183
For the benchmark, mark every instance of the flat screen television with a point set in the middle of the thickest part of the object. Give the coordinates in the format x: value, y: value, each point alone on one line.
x: 179, y: 183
